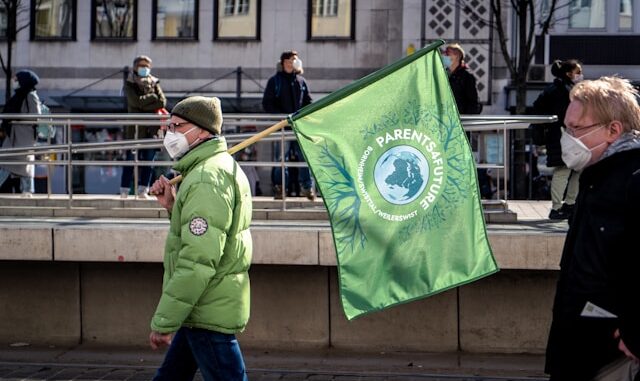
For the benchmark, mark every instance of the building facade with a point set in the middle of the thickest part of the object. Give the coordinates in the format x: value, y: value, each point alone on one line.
x: 197, y: 46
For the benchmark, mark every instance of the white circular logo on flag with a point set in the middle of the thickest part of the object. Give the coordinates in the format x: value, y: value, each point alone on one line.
x: 401, y: 174
x: 198, y: 226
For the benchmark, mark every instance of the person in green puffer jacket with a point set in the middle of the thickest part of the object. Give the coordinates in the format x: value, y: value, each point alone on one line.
x: 205, y: 292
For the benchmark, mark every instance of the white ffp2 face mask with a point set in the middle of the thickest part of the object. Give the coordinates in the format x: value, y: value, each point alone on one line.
x: 575, y: 154
x: 297, y: 64
x: 176, y: 143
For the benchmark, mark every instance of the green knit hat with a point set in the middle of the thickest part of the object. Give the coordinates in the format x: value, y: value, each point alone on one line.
x: 202, y: 111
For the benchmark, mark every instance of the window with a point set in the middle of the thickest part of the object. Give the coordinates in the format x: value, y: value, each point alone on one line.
x: 237, y: 20
x: 626, y: 15
x: 587, y: 14
x: 114, y: 20
x: 175, y: 19
x: 325, y: 8
x: 236, y: 7
x: 331, y: 19
x: 53, y: 19
x: 229, y: 7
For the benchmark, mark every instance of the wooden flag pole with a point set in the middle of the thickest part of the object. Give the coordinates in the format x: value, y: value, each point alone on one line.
x: 245, y: 143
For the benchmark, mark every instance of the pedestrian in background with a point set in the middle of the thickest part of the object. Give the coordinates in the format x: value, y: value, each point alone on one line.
x: 463, y: 83
x: 24, y: 100
x: 554, y: 100
x: 596, y: 311
x: 205, y: 292
x: 465, y: 92
x: 286, y: 93
x: 144, y: 95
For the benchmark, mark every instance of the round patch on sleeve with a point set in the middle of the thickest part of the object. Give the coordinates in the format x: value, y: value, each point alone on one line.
x: 198, y: 226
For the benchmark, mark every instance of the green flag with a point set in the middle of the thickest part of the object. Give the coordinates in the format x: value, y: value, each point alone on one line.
x: 397, y: 176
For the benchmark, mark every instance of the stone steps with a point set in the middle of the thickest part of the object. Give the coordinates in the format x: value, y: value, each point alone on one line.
x: 107, y: 206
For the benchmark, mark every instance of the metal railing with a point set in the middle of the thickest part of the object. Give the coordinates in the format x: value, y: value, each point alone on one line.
x: 62, y: 152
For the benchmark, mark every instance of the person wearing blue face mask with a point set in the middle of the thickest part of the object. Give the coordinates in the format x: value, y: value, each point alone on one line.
x: 463, y: 83
x: 144, y: 95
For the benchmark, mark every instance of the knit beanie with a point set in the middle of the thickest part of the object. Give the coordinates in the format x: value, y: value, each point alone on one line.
x: 204, y: 112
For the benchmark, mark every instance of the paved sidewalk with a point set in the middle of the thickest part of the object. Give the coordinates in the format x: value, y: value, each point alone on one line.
x: 83, y: 363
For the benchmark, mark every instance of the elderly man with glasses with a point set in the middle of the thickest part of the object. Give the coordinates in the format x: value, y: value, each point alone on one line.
x: 595, y: 333
x: 205, y: 292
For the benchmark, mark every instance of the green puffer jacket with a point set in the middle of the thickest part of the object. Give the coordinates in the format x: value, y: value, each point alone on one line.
x: 208, y: 249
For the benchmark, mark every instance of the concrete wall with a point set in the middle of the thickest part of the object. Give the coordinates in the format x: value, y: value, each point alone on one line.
x: 514, y: 247
x: 65, y: 303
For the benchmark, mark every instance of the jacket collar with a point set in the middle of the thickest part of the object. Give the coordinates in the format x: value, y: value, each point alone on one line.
x: 627, y: 141
x: 200, y: 153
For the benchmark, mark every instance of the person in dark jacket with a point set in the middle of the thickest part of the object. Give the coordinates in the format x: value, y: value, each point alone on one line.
x: 463, y: 83
x: 463, y: 86
x: 25, y: 100
x: 596, y: 311
x: 144, y: 95
x: 554, y: 100
x: 286, y: 93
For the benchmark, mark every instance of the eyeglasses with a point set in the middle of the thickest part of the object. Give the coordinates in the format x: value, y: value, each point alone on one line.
x: 573, y: 131
x: 172, y: 126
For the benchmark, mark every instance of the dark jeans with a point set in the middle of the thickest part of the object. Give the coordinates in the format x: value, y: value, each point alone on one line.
x: 217, y: 355
x: 291, y: 153
x: 144, y: 177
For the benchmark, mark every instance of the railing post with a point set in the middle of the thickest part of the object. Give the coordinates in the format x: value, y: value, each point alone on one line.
x: 135, y: 166
x: 69, y: 164
x: 283, y: 174
x: 238, y: 86
x: 125, y: 74
x: 49, y: 167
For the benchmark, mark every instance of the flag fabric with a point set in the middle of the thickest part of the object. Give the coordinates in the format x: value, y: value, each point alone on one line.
x: 397, y: 176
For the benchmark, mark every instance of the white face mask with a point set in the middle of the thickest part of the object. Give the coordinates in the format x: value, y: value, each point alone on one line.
x: 176, y: 143
x: 575, y: 154
x: 578, y: 78
x: 297, y: 64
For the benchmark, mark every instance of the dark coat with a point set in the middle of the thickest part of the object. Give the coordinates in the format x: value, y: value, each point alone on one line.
x: 600, y: 264
x: 553, y: 100
x: 143, y: 100
x: 285, y: 93
x: 463, y: 85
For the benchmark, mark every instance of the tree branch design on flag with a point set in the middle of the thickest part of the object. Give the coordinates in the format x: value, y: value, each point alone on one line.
x: 342, y: 202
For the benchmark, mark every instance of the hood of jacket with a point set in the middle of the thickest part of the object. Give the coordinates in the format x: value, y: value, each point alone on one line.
x: 27, y: 79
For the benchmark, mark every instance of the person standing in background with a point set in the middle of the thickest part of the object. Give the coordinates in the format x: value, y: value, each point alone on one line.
x: 463, y: 83
x: 25, y: 100
x: 465, y: 92
x: 286, y: 93
x: 144, y: 95
x: 554, y: 100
